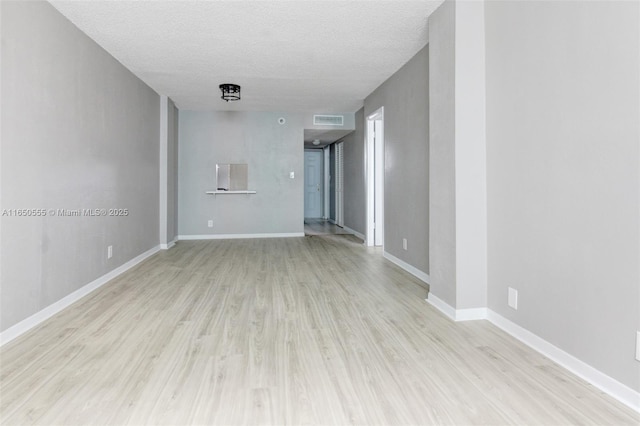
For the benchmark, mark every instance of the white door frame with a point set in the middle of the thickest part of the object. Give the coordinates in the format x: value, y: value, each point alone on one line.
x: 327, y: 182
x: 375, y: 178
x: 339, y: 180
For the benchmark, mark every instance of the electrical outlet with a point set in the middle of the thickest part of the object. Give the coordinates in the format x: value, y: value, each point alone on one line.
x: 109, y: 252
x: 210, y: 224
x: 513, y: 298
x: 638, y: 345
x: 404, y: 243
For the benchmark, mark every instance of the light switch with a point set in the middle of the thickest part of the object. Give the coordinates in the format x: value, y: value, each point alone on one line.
x: 292, y: 175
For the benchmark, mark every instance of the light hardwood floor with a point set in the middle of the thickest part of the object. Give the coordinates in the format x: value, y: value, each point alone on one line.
x: 314, y: 330
x: 322, y: 227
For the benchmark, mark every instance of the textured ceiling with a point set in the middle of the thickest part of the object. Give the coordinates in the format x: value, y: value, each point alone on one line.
x: 325, y: 137
x: 303, y: 55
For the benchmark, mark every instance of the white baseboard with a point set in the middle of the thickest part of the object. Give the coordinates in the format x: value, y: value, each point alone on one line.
x: 470, y: 314
x: 46, y: 313
x: 238, y: 236
x: 610, y: 386
x: 441, y: 305
x: 168, y: 245
x: 617, y: 390
x: 356, y: 233
x: 423, y: 276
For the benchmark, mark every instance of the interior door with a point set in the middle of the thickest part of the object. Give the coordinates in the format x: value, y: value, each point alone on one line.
x: 313, y: 184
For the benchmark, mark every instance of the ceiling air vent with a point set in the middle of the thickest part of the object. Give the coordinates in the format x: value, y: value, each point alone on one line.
x: 328, y: 120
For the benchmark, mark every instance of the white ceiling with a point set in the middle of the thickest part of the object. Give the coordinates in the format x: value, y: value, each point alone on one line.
x: 325, y: 137
x: 303, y: 55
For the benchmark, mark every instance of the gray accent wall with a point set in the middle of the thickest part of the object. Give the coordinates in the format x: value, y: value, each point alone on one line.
x: 79, y: 131
x: 442, y: 203
x: 405, y: 98
x: 355, y: 195
x: 168, y: 163
x: 270, y: 149
x: 458, y: 146
x: 172, y: 172
x: 564, y: 175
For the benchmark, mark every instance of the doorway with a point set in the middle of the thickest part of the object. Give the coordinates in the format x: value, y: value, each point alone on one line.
x: 375, y: 178
x: 313, y: 184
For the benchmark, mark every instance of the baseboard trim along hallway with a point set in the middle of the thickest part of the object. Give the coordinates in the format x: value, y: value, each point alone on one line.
x: 168, y: 245
x: 610, y: 386
x: 423, y: 276
x: 239, y: 236
x: 605, y: 383
x: 456, y: 314
x: 46, y: 313
x: 356, y: 233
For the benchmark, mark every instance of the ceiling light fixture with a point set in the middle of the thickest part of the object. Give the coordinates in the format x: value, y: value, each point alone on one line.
x: 230, y: 92
x: 316, y: 142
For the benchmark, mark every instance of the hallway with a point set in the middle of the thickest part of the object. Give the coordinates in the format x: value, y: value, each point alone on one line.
x: 322, y: 227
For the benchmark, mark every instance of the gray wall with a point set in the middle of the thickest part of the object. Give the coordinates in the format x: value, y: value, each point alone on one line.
x: 458, y: 152
x: 172, y: 172
x: 271, y: 150
x: 355, y: 201
x: 78, y: 131
x: 563, y: 175
x: 442, y: 204
x: 405, y: 97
